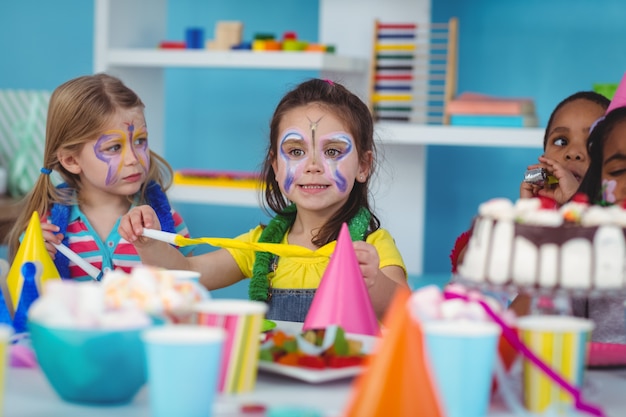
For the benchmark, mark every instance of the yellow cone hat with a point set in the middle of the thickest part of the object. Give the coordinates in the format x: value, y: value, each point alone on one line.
x: 31, y: 249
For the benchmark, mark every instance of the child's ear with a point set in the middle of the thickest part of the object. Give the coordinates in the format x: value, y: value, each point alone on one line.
x: 68, y: 161
x: 365, y: 167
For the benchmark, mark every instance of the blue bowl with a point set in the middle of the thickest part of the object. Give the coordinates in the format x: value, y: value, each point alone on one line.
x: 92, y: 366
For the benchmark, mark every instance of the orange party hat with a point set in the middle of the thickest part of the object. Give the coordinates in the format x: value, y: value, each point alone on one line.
x: 32, y: 249
x: 342, y: 298
x: 619, y: 98
x: 396, y: 381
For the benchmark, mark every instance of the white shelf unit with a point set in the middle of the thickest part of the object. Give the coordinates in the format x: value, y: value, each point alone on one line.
x: 124, y: 45
x: 197, y: 58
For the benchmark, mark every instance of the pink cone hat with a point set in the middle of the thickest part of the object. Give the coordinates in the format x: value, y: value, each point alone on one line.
x: 619, y: 98
x: 342, y: 298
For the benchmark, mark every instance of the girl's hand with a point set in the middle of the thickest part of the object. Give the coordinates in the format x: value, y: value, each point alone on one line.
x: 529, y: 190
x: 51, y: 237
x: 369, y: 261
x: 132, y: 224
x: 567, y: 185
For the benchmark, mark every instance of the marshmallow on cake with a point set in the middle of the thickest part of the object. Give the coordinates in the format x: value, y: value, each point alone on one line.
x: 532, y: 244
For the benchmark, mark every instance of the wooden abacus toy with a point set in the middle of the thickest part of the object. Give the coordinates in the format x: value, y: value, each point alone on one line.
x: 413, y: 74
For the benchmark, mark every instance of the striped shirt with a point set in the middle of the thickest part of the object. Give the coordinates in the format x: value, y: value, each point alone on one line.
x: 113, y: 253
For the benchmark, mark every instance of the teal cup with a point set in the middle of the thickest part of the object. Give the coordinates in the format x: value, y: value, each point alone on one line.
x: 462, y: 356
x: 91, y: 366
x: 183, y: 363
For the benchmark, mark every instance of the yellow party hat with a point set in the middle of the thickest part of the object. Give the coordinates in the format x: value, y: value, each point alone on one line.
x: 31, y: 249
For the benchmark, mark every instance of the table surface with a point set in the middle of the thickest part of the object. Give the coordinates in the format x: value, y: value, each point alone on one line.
x: 28, y: 393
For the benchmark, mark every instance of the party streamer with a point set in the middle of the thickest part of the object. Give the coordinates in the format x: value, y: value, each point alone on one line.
x: 278, y: 249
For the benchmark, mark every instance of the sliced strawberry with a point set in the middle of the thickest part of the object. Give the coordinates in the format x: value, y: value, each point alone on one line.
x: 344, y: 361
x: 308, y: 361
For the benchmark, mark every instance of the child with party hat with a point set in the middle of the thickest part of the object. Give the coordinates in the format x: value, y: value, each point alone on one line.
x: 605, y: 184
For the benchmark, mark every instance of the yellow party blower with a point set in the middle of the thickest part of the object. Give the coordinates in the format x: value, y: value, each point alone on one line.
x: 278, y: 249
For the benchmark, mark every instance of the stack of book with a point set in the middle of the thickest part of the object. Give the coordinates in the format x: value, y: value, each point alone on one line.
x: 473, y: 109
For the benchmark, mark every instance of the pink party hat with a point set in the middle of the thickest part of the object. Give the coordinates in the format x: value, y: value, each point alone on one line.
x: 342, y: 298
x: 619, y: 98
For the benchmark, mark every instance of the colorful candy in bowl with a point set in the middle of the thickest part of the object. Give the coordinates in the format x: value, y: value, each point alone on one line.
x: 167, y: 295
x: 88, y: 353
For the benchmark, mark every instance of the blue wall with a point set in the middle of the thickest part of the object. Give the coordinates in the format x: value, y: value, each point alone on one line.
x: 545, y: 50
x: 44, y: 43
x: 532, y: 48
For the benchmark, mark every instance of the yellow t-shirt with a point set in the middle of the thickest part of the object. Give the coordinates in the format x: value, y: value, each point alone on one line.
x: 306, y: 273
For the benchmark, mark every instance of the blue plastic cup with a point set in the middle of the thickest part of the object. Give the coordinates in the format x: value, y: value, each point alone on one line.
x: 462, y: 355
x: 183, y: 363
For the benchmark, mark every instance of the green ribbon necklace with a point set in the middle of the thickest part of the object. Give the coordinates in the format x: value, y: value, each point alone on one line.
x: 275, y: 231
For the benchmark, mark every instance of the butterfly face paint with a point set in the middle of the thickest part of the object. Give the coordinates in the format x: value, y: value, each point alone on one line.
x: 115, y: 147
x: 325, y: 155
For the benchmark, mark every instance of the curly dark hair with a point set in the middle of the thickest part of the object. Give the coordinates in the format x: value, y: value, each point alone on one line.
x: 581, y: 95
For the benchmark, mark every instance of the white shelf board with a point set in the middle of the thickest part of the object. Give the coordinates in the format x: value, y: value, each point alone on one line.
x: 223, y: 196
x: 200, y: 58
x: 416, y: 134
x: 387, y: 134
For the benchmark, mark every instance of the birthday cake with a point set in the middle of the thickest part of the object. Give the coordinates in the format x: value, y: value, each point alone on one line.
x: 531, y: 244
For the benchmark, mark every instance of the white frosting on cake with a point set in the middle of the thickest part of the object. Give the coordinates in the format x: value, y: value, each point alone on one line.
x: 500, y: 258
x: 525, y: 257
x: 548, y: 265
x: 522, y: 244
x: 609, y: 249
x: 498, y: 208
x: 576, y: 264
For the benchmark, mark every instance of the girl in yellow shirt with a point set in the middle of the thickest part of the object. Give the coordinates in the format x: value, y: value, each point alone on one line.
x: 318, y: 166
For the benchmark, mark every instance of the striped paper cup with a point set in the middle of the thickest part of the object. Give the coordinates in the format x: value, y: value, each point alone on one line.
x: 562, y: 343
x: 242, y: 321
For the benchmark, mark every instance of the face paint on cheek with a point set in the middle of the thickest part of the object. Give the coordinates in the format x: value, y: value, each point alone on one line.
x: 291, y: 166
x: 114, y: 162
x: 608, y: 190
x: 142, y: 153
x: 334, y: 165
x: 340, y: 180
x: 291, y: 170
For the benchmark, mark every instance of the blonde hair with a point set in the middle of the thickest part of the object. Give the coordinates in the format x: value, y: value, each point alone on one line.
x: 78, y: 111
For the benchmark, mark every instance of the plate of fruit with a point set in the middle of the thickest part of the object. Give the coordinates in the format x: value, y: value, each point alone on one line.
x: 315, y: 356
